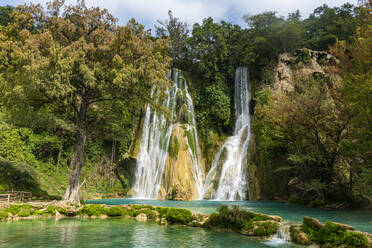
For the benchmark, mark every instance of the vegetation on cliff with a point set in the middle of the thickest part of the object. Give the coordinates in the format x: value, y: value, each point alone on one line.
x: 73, y: 85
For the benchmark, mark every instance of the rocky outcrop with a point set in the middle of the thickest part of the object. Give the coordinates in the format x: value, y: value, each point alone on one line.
x: 179, y: 182
x: 298, y: 236
x: 302, y: 64
x: 331, y: 234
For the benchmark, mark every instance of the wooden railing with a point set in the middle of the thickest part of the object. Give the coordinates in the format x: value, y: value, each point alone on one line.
x: 10, y: 196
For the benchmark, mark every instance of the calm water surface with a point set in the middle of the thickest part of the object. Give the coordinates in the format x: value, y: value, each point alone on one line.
x: 119, y: 232
x: 73, y: 232
x: 360, y: 219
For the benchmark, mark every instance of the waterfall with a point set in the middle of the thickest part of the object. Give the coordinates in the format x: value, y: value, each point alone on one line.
x: 281, y: 236
x: 156, y: 135
x: 232, y: 175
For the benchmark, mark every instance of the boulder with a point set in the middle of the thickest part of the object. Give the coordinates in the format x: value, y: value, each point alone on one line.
x: 141, y: 217
x: 297, y: 236
x: 313, y: 222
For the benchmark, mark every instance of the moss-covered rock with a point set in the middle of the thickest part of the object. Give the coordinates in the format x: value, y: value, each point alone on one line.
x: 243, y: 221
x: 178, y: 216
x: 298, y: 236
x: 333, y: 234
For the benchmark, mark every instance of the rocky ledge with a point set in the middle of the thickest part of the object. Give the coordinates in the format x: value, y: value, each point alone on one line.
x: 330, y: 234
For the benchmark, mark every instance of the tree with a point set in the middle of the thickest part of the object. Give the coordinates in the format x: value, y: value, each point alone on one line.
x: 327, y: 25
x: 177, y: 33
x: 4, y: 14
x: 73, y: 63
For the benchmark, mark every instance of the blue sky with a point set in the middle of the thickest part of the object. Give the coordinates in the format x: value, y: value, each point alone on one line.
x: 148, y: 12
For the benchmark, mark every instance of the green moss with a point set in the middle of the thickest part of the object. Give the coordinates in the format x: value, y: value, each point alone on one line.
x: 51, y: 210
x: 15, y: 209
x: 191, y: 141
x: 234, y: 218
x: 116, y: 211
x: 40, y: 212
x: 354, y: 240
x: 173, y: 147
x: 178, y: 216
x: 93, y: 210
x: 62, y: 210
x: 265, y: 228
x: 24, y: 213
x: 3, y: 215
x: 333, y: 235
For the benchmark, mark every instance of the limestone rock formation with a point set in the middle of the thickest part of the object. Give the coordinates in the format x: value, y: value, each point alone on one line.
x: 301, y: 64
x: 179, y: 182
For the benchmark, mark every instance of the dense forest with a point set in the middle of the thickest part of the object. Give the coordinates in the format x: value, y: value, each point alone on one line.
x: 74, y: 85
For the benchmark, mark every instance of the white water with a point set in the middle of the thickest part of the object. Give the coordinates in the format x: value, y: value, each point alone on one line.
x: 156, y: 135
x: 232, y: 182
x: 281, y: 236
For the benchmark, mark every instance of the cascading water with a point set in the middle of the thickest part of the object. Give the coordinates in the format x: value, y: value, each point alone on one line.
x: 232, y: 181
x: 156, y: 135
x: 281, y: 236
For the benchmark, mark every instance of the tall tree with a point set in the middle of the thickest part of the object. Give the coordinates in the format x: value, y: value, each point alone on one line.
x: 177, y: 32
x: 72, y: 61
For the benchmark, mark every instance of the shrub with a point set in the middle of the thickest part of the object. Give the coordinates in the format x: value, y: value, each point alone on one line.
x: 265, y: 228
x: 92, y: 210
x: 233, y: 218
x: 15, y: 209
x: 178, y: 216
x: 61, y: 210
x: 3, y: 215
x: 51, y: 210
x: 24, y: 213
x: 116, y: 211
x: 334, y: 235
x: 354, y: 240
x: 39, y: 212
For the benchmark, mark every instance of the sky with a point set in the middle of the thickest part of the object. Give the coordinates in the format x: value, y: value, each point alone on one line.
x: 148, y: 12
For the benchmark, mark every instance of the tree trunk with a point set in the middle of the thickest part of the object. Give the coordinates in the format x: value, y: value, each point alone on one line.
x: 77, y: 161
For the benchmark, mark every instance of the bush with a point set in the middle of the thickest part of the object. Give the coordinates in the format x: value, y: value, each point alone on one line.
x: 116, y: 211
x: 178, y: 216
x: 24, y: 213
x: 334, y: 235
x: 15, y: 209
x: 62, y: 210
x: 265, y: 229
x: 354, y: 240
x: 234, y: 218
x: 93, y: 210
x: 51, y: 210
x: 3, y: 215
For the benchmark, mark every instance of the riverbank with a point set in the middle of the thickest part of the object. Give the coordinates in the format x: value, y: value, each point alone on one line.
x: 233, y: 219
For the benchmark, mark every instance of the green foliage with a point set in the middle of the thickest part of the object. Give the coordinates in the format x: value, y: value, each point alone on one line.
x: 265, y: 228
x: 334, y: 235
x: 5, y: 12
x: 51, y: 210
x: 326, y: 25
x: 116, y: 211
x: 93, y: 210
x: 303, y: 56
x: 233, y: 218
x: 15, y: 209
x: 24, y: 213
x: 178, y: 216
x: 61, y: 210
x: 3, y: 215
